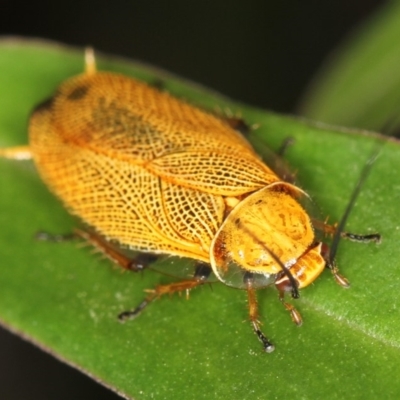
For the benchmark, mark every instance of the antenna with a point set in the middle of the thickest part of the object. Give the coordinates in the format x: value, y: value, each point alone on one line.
x: 375, y: 237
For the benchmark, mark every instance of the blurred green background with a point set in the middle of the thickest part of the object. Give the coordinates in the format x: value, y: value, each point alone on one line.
x: 260, y: 52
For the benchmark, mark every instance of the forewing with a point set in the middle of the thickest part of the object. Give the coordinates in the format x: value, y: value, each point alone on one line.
x: 124, y: 201
x: 128, y: 120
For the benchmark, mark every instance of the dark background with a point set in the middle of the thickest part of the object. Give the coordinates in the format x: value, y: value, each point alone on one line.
x: 261, y: 52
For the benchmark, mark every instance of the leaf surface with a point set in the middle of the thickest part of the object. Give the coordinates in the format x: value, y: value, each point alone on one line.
x: 65, y: 299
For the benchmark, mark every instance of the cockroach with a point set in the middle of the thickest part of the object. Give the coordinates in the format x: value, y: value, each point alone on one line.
x: 159, y: 176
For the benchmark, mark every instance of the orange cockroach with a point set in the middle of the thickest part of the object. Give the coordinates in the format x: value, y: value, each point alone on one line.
x: 159, y: 176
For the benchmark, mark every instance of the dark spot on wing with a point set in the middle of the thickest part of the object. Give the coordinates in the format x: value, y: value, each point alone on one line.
x: 78, y: 93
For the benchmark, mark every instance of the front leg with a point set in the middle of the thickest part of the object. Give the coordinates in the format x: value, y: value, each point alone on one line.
x: 253, y: 313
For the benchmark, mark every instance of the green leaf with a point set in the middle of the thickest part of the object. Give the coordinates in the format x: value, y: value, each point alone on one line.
x: 65, y: 299
x: 360, y: 83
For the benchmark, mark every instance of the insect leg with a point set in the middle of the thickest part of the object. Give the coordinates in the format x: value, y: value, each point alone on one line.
x: 274, y: 159
x: 354, y: 237
x: 329, y: 253
x: 136, y: 264
x: 294, y: 314
x: 289, y: 141
x: 200, y: 276
x: 339, y: 229
x: 253, y: 314
x: 339, y: 279
x: 238, y: 124
x: 16, y: 153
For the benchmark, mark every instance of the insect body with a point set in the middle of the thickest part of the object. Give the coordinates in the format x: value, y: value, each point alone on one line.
x: 157, y: 175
